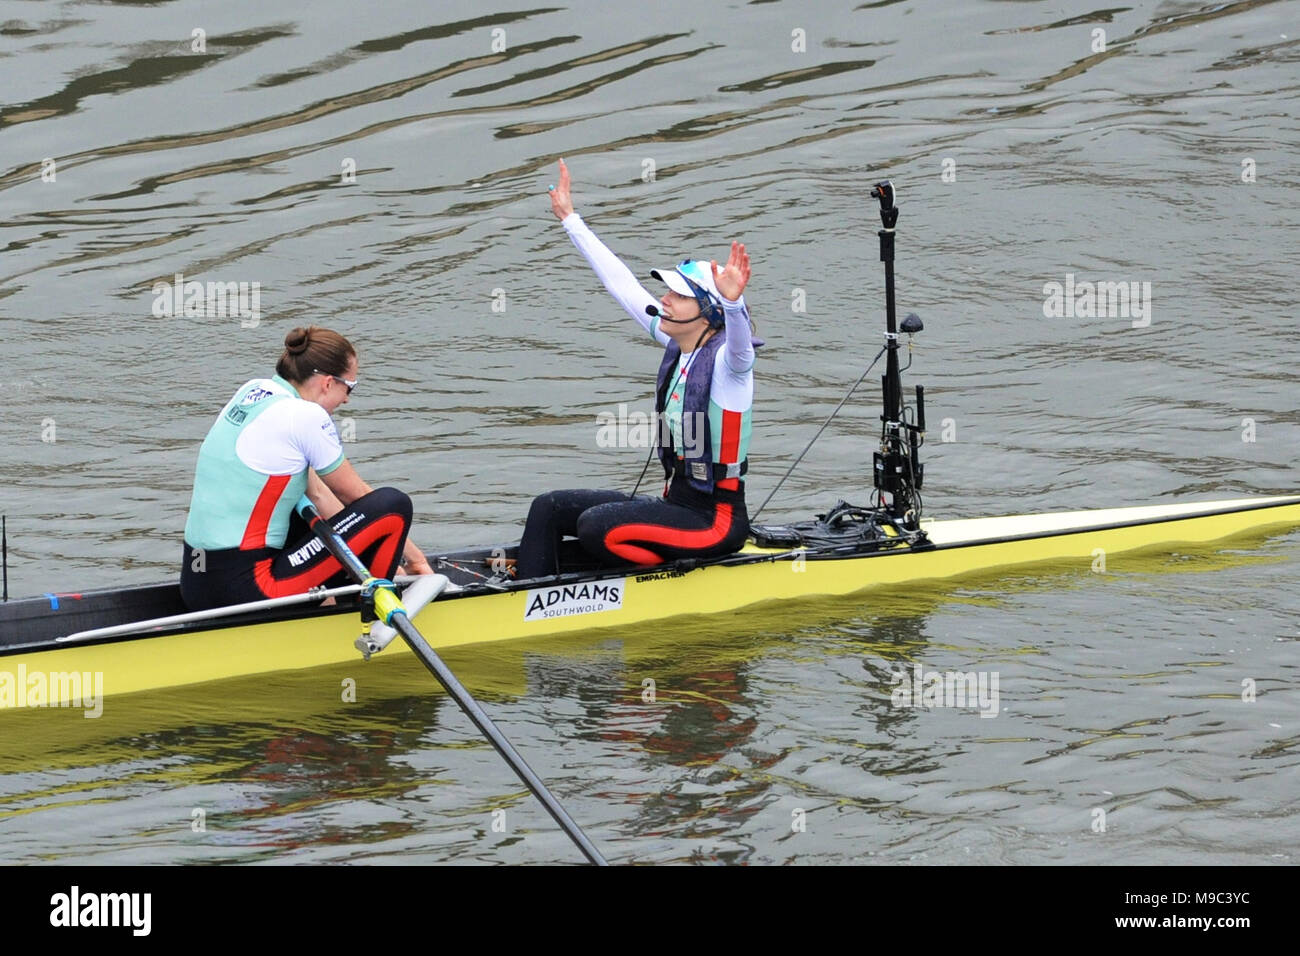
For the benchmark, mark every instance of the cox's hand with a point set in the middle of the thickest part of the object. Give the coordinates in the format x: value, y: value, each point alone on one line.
x: 561, y: 201
x: 731, y: 281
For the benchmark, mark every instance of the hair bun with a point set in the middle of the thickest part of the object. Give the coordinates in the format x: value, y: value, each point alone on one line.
x: 296, y: 342
x: 313, y: 349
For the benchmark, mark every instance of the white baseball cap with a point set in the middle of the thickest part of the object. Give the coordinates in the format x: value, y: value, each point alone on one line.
x: 681, y: 276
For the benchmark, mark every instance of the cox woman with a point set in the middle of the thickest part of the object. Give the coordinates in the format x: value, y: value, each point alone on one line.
x: 704, y: 395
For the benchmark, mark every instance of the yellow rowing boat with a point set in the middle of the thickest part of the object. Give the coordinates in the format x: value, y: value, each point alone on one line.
x: 40, y: 666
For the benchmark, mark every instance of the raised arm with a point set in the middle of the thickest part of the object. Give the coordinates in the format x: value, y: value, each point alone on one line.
x: 738, y: 351
x: 617, y: 278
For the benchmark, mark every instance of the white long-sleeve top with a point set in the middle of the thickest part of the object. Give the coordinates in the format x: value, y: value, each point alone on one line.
x: 733, y: 371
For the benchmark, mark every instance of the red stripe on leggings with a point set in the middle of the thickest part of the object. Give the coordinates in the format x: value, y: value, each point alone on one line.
x: 620, y: 540
x: 389, y: 527
x: 260, y: 519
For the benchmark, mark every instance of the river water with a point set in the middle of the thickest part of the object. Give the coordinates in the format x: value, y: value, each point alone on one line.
x: 382, y: 169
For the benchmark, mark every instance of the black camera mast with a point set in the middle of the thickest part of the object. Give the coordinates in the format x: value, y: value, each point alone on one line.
x: 897, y: 467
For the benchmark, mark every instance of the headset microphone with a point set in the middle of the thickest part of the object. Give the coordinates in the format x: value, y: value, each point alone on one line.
x: 656, y: 313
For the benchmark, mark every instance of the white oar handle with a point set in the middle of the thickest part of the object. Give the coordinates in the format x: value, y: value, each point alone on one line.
x: 416, y: 596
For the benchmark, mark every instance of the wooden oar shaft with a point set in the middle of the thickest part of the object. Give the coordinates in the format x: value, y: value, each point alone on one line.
x: 388, y: 604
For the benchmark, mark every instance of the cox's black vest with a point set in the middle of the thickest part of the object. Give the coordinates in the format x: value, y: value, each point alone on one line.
x: 699, y: 468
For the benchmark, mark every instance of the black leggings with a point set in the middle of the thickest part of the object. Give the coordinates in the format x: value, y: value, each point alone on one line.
x: 619, y: 529
x: 374, y: 526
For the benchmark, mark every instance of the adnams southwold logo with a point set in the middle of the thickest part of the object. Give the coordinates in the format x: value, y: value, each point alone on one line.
x: 565, y: 600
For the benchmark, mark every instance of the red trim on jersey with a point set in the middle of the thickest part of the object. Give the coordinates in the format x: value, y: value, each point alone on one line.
x: 260, y: 519
x: 730, y: 446
x: 620, y: 540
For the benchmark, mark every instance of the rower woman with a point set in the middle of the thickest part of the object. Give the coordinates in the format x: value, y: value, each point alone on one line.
x: 703, y: 399
x: 272, y: 442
